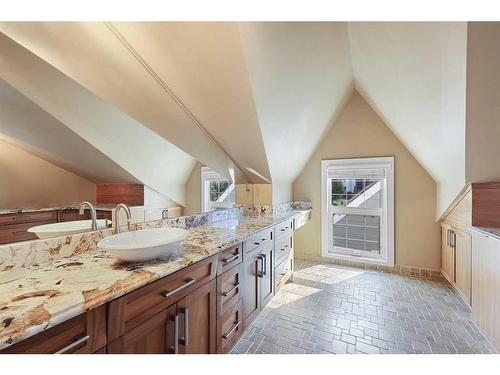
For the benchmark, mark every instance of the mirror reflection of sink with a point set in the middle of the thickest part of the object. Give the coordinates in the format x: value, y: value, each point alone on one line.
x: 143, y: 245
x: 67, y: 228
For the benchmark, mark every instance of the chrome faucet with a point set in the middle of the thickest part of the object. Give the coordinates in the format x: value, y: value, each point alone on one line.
x: 93, y: 214
x: 117, y: 216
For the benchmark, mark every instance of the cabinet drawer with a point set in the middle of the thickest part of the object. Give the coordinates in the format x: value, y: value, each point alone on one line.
x: 134, y: 308
x: 83, y: 334
x: 259, y: 239
x: 229, y: 328
x: 284, y: 229
x: 28, y: 217
x: 229, y: 289
x: 230, y: 258
x: 283, y: 272
x: 284, y: 245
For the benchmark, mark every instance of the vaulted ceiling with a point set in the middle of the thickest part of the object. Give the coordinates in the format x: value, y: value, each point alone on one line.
x: 250, y: 100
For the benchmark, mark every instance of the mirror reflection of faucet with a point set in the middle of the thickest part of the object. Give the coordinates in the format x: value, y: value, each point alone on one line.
x: 93, y: 215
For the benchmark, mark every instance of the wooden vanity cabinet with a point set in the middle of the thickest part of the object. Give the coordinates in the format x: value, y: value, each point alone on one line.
x: 83, y: 334
x: 258, y: 273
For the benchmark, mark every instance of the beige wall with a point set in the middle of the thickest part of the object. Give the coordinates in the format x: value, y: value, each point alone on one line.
x: 359, y: 132
x: 483, y: 98
x: 28, y: 181
x: 193, y: 191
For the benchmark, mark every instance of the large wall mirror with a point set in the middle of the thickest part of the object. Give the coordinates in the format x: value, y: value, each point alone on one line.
x: 49, y: 167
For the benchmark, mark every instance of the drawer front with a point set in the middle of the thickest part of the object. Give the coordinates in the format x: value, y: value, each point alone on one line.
x: 83, y: 334
x: 229, y: 289
x: 229, y: 328
x: 284, y: 229
x: 284, y: 244
x: 259, y: 239
x: 134, y: 308
x: 283, y: 272
x: 230, y: 258
x: 28, y: 217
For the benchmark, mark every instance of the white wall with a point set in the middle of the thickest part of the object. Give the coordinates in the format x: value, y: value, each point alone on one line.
x: 300, y: 74
x: 413, y: 75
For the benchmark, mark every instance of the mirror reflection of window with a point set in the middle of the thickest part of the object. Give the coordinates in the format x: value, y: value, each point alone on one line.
x: 217, y: 192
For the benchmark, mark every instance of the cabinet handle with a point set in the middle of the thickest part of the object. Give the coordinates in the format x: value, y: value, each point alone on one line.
x: 229, y: 260
x: 264, y: 264
x: 176, y: 334
x: 261, y: 241
x: 185, y: 340
x: 73, y: 345
x: 261, y: 272
x: 228, y: 292
x: 230, y: 333
x: 189, y: 281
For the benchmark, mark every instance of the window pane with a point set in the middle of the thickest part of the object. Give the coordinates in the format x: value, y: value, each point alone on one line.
x: 372, y: 247
x: 354, y: 186
x: 339, y: 231
x: 372, y: 221
x: 341, y: 242
x: 340, y: 219
x: 372, y: 234
x: 338, y: 200
x: 355, y: 233
x: 337, y: 186
x: 356, y: 245
x: 355, y: 220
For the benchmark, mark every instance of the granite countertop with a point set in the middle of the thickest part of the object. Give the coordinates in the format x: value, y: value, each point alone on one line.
x: 37, y: 297
x: 493, y: 232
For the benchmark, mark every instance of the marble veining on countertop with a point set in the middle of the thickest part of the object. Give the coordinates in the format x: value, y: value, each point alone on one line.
x: 39, y: 296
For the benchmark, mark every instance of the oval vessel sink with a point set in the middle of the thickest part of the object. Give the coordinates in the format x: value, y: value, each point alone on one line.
x: 143, y: 245
x: 67, y: 228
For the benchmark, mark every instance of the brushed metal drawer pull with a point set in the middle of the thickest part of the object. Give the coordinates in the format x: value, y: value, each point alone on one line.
x: 228, y: 292
x: 229, y: 260
x: 189, y: 281
x: 73, y: 345
x: 185, y: 340
x: 261, y: 272
x: 175, y: 348
x: 261, y: 241
x: 230, y: 333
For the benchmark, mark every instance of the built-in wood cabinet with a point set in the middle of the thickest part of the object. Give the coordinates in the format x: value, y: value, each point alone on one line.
x: 486, y: 286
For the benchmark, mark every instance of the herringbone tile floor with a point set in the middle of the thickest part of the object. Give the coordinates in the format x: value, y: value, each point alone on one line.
x: 335, y: 309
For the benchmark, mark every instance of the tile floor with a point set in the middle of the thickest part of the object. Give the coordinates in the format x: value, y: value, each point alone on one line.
x: 335, y: 309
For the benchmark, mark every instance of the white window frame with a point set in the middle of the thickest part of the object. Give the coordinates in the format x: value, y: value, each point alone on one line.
x: 208, y: 175
x: 387, y: 241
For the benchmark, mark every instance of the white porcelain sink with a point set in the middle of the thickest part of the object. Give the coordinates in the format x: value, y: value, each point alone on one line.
x: 143, y: 245
x: 67, y: 228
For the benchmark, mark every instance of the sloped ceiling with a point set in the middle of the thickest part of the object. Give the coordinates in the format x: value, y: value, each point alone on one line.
x: 300, y: 74
x: 93, y: 55
x: 31, y: 128
x: 414, y: 75
x: 142, y: 153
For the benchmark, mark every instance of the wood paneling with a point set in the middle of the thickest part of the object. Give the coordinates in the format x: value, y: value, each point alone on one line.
x: 486, y: 204
x: 463, y: 265
x: 486, y: 286
x: 230, y: 286
x: 230, y: 258
x: 229, y: 328
x: 460, y: 216
x: 130, y: 194
x: 92, y: 324
x: 251, y: 296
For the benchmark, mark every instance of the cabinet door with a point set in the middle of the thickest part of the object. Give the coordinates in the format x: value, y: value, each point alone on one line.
x: 463, y: 265
x: 447, y: 253
x: 251, y: 296
x: 154, y: 336
x: 267, y: 276
x: 198, y: 321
